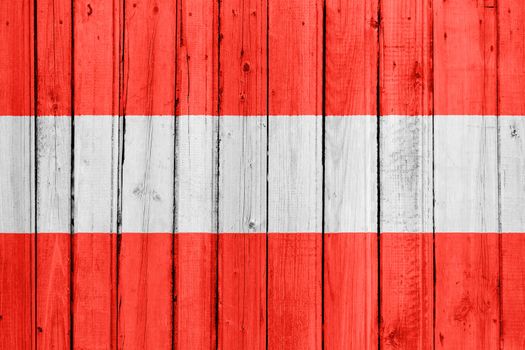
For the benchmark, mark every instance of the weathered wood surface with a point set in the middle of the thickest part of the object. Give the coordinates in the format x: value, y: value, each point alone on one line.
x: 406, y: 175
x: 96, y: 168
x: 262, y: 174
x: 17, y: 182
x: 350, y: 190
x: 242, y: 175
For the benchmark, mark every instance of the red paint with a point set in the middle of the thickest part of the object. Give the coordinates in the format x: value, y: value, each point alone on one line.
x: 17, y: 277
x: 350, y: 290
x: 195, y: 306
x: 294, y: 290
x: 242, y: 256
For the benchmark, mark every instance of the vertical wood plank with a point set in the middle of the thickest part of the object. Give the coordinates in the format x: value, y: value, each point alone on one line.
x: 350, y: 266
x: 466, y: 185
x: 511, y: 128
x: 96, y: 140
x: 53, y: 203
x: 242, y: 175
x: 145, y: 256
x: 17, y: 275
x: 406, y: 219
x: 196, y: 175
x: 295, y: 174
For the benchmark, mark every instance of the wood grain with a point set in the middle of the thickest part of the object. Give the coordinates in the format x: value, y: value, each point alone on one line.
x: 511, y: 167
x: 145, y: 257
x: 196, y: 177
x: 350, y: 247
x: 97, y: 33
x: 466, y: 176
x: 242, y: 175
x: 17, y: 183
x: 406, y: 187
x: 295, y: 174
x: 53, y: 180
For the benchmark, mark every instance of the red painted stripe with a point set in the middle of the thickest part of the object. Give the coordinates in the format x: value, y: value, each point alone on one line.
x: 195, y: 290
x: 17, y: 277
x: 350, y: 290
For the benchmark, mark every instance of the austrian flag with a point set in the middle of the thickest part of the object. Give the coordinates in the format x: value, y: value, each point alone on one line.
x: 262, y: 174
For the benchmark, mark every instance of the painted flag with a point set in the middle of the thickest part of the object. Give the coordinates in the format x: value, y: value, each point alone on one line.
x: 262, y: 174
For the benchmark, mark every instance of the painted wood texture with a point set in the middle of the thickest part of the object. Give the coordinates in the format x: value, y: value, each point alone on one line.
x: 96, y: 166
x: 511, y: 170
x: 17, y: 183
x: 298, y: 174
x: 53, y: 173
x: 242, y: 175
x: 350, y: 191
x: 406, y: 175
x: 145, y: 255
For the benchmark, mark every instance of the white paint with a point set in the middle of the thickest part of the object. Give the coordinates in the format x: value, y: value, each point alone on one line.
x: 53, y: 206
x: 351, y: 174
x: 242, y: 175
x: 406, y: 174
x: 466, y: 174
x: 147, y: 174
x: 512, y: 173
x: 295, y: 174
x: 196, y: 174
x: 96, y: 173
x: 17, y: 183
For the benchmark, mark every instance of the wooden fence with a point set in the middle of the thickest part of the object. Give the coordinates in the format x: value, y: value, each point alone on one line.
x: 262, y: 174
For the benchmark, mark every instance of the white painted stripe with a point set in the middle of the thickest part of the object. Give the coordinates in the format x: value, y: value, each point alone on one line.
x: 196, y: 174
x: 295, y: 174
x: 17, y: 183
x: 96, y: 173
x: 406, y: 174
x: 242, y: 175
x: 351, y: 174
x: 466, y: 174
x: 53, y: 205
x: 147, y: 183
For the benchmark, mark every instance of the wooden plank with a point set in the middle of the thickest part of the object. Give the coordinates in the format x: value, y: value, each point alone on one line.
x: 511, y: 126
x: 295, y: 174
x: 53, y: 181
x: 17, y: 183
x: 350, y: 247
x: 196, y: 175
x: 96, y: 138
x: 145, y: 256
x: 242, y: 175
x: 406, y: 190
x: 466, y: 176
